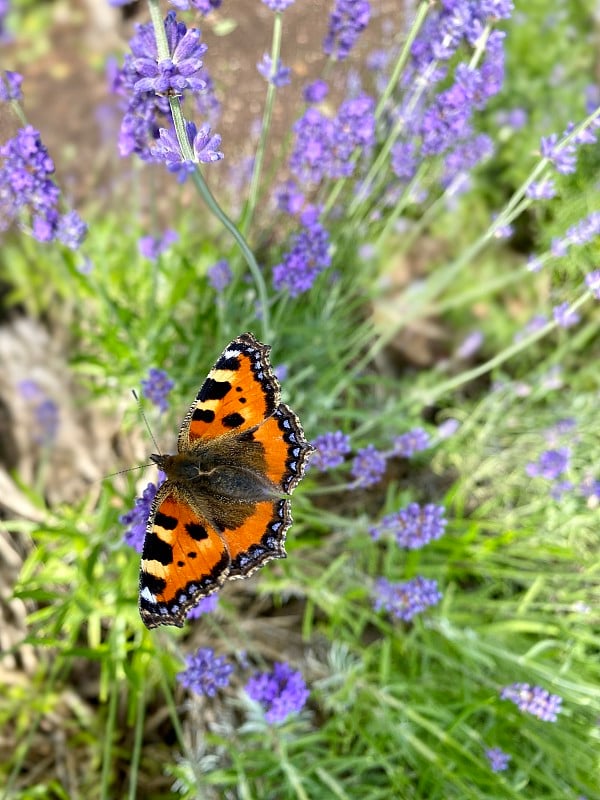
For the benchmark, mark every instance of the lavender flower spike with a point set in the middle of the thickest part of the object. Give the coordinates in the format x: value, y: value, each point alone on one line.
x: 205, y: 672
x: 281, y: 692
x: 533, y: 700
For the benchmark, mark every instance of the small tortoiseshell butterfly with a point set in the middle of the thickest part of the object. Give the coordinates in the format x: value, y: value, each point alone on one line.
x: 224, y: 509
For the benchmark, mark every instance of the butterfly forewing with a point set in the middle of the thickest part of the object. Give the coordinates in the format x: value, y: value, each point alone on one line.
x: 239, y: 393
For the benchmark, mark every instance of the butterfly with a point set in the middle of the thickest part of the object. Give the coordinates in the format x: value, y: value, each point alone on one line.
x: 224, y: 509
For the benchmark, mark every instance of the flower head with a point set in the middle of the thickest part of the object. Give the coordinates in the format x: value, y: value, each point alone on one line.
x: 324, y: 146
x: 411, y: 442
x: 156, y: 387
x: 550, y: 465
x: 405, y: 600
x: 44, y: 412
x: 348, y: 20
x: 592, y: 281
x: 276, y: 74
x: 316, y: 91
x: 368, y: 466
x: 204, y: 7
x: 206, y: 605
x: 10, y: 86
x: 414, y: 526
x: 205, y: 672
x: 497, y: 758
x: 533, y: 700
x: 151, y: 247
x: 278, y: 5
x: 308, y: 256
x: 330, y: 449
x: 564, y: 315
x: 204, y: 146
x: 219, y: 275
x: 281, y: 692
x: 180, y: 72
x: 28, y: 193
x: 137, y: 518
x: 144, y: 83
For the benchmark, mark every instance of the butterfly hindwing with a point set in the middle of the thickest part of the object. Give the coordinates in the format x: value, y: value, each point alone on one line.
x: 184, y: 558
x: 262, y: 537
x: 239, y: 393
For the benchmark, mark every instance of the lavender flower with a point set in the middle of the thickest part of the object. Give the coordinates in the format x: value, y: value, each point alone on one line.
x: 590, y: 489
x: 311, y: 155
x: 10, y: 85
x: 4, y: 9
x: 368, y: 466
x: 204, y: 146
x: 27, y: 192
x: 498, y: 759
x: 316, y: 91
x: 276, y: 74
x: 137, y: 518
x: 307, y: 258
x: 324, y: 146
x: 205, y: 672
x: 536, y: 323
x: 347, y: 21
x: 174, y: 75
x: 563, y: 158
x: 204, y: 7
x: 71, y: 230
x: 330, y: 449
x: 592, y: 281
x: 533, y: 700
x: 44, y: 412
x: 542, y: 190
x: 144, y: 83
x: 404, y: 160
x: 414, y: 526
x: 206, y: 605
x: 151, y: 247
x: 354, y: 129
x: 405, y: 600
x: 157, y: 387
x: 448, y: 428
x: 515, y: 118
x: 411, y: 442
x: 289, y: 198
x: 564, y: 315
x: 470, y: 345
x: 281, y: 692
x: 550, y: 465
x: 278, y: 5
x: 219, y: 275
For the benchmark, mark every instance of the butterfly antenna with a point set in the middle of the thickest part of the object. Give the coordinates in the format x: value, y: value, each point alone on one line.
x: 148, y: 428
x: 129, y: 469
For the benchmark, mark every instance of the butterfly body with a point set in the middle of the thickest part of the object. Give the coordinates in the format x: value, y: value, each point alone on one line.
x: 224, y: 509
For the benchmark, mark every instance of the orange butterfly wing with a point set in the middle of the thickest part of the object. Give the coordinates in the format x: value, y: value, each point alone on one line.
x: 240, y: 392
x: 184, y: 559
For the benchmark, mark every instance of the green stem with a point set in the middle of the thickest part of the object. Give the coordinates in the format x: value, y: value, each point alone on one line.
x: 429, y: 396
x: 250, y: 208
